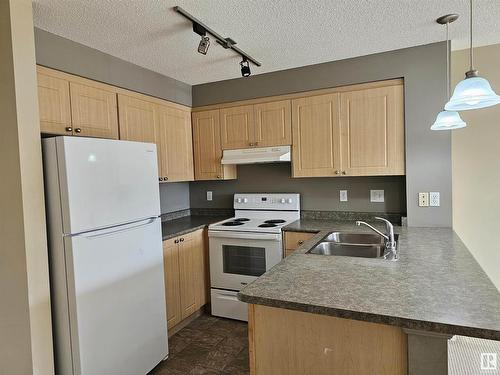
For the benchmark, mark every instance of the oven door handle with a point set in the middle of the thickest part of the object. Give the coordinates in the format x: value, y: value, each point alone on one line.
x: 245, y: 235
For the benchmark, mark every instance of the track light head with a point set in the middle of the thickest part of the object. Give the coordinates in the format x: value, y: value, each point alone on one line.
x: 245, y: 67
x: 204, y: 44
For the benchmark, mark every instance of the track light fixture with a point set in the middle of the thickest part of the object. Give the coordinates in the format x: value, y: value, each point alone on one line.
x: 245, y: 67
x: 204, y: 44
x: 201, y: 29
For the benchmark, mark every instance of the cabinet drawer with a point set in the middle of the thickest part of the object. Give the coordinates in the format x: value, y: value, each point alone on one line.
x: 295, y: 239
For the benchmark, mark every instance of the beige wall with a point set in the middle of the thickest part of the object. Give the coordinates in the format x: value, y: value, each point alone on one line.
x: 476, y: 167
x: 25, y: 320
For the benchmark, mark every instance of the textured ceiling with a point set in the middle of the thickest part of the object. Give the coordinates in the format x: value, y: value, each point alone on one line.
x: 280, y: 33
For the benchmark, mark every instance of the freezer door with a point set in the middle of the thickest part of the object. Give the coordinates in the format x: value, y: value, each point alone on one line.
x: 106, y: 182
x: 116, y: 299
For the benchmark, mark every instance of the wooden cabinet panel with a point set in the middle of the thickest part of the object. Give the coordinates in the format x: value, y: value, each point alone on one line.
x: 316, y: 136
x: 137, y: 118
x: 286, y: 342
x: 273, y: 124
x: 207, y: 148
x: 188, y: 264
x: 54, y: 105
x: 237, y: 127
x: 93, y: 111
x: 175, y: 144
x: 295, y: 239
x: 372, y: 131
x: 172, y: 285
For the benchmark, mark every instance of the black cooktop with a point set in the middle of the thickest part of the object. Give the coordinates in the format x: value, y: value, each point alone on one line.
x: 232, y: 223
x: 274, y: 221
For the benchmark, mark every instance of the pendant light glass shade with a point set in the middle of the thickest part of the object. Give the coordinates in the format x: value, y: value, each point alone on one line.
x: 472, y: 93
x: 448, y: 120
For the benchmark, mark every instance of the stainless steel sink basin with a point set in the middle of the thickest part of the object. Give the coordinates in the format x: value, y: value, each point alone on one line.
x: 365, y: 245
x: 350, y: 250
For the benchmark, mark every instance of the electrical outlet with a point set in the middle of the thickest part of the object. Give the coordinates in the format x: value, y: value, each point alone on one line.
x: 423, y: 199
x: 434, y: 199
x: 343, y: 195
x: 209, y: 195
x: 377, y: 196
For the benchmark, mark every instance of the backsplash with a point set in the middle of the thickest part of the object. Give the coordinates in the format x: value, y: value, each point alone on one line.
x: 317, y: 194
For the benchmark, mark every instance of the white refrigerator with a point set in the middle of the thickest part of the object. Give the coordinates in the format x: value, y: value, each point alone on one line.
x: 106, y: 259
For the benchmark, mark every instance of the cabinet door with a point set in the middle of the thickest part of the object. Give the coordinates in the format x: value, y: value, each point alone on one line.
x: 202, y: 271
x: 54, y: 105
x: 237, y: 127
x: 175, y: 144
x: 172, y: 282
x: 273, y: 124
x: 207, y: 148
x: 372, y: 127
x: 188, y: 265
x: 137, y: 119
x: 316, y: 134
x: 94, y: 111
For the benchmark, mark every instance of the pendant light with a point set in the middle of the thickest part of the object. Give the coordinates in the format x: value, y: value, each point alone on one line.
x: 448, y: 120
x: 473, y: 92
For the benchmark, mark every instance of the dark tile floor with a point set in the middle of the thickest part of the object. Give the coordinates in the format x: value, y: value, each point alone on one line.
x: 208, y: 345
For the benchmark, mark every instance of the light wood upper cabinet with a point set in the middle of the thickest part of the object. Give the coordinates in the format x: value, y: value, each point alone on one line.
x: 172, y: 283
x: 372, y: 131
x: 94, y: 111
x: 207, y: 148
x: 175, y: 144
x: 54, y: 104
x: 237, y: 127
x: 316, y: 136
x: 273, y: 124
x: 138, y: 119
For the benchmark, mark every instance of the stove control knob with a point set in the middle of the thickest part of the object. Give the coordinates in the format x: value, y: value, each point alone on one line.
x: 238, y: 200
x: 282, y: 200
x: 245, y: 200
x: 289, y: 200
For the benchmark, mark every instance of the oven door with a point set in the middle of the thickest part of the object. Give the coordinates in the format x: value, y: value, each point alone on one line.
x: 238, y: 258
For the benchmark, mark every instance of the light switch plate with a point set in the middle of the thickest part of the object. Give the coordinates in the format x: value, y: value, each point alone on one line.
x: 209, y: 195
x: 434, y: 199
x: 423, y: 199
x: 377, y: 196
x: 343, y: 195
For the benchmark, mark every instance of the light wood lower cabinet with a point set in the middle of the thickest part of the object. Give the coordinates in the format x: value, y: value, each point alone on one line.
x: 185, y: 261
x: 286, y: 342
x: 292, y: 240
x: 207, y: 148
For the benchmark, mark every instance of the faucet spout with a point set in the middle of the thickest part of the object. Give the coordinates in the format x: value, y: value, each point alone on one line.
x: 359, y: 223
x: 390, y: 245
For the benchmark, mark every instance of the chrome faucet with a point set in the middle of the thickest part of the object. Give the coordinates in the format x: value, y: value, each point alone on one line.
x: 390, y: 243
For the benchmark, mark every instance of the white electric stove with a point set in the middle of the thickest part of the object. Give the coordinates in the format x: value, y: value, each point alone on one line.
x: 244, y: 247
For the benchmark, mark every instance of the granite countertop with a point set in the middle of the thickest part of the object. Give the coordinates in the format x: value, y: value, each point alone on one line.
x: 187, y: 224
x: 435, y: 286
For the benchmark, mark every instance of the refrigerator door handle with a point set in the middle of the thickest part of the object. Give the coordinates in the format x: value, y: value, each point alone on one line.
x: 117, y: 228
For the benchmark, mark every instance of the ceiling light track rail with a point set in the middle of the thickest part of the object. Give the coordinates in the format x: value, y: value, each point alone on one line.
x: 201, y: 29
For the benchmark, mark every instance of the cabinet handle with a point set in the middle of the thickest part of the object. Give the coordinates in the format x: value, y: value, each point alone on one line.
x: 161, y: 178
x: 165, y: 178
x: 182, y: 240
x: 78, y: 130
x: 256, y: 143
x: 343, y: 172
x: 336, y: 172
x: 176, y: 241
x: 69, y: 129
x: 300, y: 242
x: 219, y: 177
x: 251, y: 144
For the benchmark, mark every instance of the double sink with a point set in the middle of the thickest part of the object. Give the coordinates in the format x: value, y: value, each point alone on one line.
x: 365, y: 245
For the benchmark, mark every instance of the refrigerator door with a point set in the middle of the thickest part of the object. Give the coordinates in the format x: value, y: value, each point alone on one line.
x: 106, y: 182
x: 116, y: 299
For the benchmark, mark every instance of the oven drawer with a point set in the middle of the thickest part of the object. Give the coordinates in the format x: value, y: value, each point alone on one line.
x: 225, y: 303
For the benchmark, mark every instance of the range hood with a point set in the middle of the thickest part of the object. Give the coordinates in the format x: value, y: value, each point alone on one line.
x: 256, y: 155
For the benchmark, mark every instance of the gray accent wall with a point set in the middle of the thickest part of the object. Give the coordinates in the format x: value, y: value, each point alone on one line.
x: 317, y: 194
x: 428, y: 153
x: 63, y: 54
x: 68, y: 56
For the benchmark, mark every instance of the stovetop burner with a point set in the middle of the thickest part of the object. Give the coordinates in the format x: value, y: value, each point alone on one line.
x: 275, y: 221
x: 267, y: 225
x: 232, y: 223
x: 241, y: 219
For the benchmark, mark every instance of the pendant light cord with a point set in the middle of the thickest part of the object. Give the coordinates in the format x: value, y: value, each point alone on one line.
x: 447, y: 62
x: 471, y: 57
